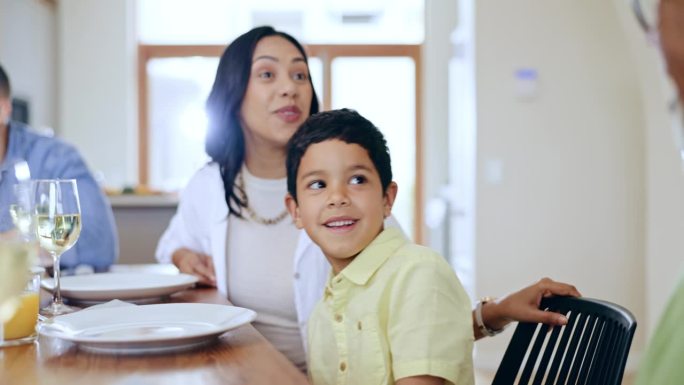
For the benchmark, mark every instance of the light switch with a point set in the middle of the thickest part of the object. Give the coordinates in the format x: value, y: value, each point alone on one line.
x: 494, y: 171
x: 526, y: 83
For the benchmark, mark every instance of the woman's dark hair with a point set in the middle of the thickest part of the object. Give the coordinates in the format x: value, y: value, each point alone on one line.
x: 225, y: 142
x: 345, y: 125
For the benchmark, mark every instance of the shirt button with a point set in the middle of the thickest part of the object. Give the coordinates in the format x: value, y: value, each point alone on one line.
x: 358, y: 325
x: 296, y: 276
x: 338, y: 317
x: 343, y: 366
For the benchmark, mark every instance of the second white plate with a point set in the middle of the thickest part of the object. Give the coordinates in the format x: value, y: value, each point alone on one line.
x: 124, y: 286
x: 145, y: 329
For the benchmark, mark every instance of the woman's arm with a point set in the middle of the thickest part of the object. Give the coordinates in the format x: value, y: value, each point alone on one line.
x: 523, y: 306
x: 186, y: 241
x: 197, y: 264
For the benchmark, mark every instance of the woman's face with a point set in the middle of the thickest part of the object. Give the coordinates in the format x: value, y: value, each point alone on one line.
x: 278, y: 96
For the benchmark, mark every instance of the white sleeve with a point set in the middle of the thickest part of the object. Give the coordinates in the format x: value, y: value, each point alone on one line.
x: 189, y: 226
x: 174, y: 238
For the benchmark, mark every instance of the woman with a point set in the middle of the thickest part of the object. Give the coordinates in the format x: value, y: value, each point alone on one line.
x: 231, y: 229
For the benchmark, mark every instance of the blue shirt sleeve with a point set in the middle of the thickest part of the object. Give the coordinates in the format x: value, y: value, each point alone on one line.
x: 97, y: 245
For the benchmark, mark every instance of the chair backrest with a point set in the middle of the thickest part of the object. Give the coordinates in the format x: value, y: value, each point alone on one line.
x: 591, y: 349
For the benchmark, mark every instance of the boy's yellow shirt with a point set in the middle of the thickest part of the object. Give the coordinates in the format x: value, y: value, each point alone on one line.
x: 662, y: 363
x: 397, y: 310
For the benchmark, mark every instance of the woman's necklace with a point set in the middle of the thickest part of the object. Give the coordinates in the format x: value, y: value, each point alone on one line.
x: 253, y: 215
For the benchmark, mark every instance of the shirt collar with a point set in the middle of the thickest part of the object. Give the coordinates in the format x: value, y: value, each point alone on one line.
x: 362, y: 268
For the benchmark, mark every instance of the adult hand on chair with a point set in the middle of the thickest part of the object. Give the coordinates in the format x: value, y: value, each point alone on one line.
x: 523, y: 305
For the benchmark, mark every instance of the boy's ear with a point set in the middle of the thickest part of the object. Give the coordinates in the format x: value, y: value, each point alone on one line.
x: 293, y: 208
x: 390, y: 196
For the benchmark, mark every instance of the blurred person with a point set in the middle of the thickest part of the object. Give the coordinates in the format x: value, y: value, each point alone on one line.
x: 662, y: 363
x: 231, y: 229
x: 51, y: 158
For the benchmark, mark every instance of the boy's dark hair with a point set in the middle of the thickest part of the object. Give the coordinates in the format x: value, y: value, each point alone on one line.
x: 5, y: 89
x: 345, y: 125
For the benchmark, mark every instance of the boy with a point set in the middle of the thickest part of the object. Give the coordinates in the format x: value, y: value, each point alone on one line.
x: 392, y: 312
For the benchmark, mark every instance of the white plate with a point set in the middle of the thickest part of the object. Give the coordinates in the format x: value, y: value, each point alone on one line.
x: 125, y: 286
x: 159, y: 328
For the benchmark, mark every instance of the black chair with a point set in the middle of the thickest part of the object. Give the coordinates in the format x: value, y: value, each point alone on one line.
x: 591, y: 349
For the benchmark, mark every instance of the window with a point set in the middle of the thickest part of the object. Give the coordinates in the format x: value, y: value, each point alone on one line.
x: 381, y: 81
x: 177, y: 90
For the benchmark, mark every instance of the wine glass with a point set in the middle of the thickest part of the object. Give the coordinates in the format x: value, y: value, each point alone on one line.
x: 58, y: 224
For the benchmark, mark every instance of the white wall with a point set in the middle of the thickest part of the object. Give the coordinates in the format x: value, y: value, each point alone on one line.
x: 28, y: 51
x: 98, y: 85
x: 440, y: 20
x: 570, y: 204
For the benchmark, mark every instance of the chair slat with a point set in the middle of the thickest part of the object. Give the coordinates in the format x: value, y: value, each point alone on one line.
x: 615, y: 360
x: 546, y: 357
x: 580, y: 358
x: 601, y: 373
x: 590, y: 360
x: 533, y: 354
x: 515, y: 353
x: 562, y: 348
x: 572, y: 348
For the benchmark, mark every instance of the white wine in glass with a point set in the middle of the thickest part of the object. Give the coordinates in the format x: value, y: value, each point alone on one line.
x: 58, y: 224
x: 57, y: 234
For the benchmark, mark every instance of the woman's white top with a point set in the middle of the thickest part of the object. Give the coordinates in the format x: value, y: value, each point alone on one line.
x: 259, y: 266
x: 201, y: 224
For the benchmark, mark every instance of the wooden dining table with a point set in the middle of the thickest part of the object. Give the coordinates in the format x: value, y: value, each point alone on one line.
x: 240, y: 356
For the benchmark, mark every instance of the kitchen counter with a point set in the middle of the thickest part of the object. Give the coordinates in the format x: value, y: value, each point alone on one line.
x: 140, y: 222
x: 134, y: 200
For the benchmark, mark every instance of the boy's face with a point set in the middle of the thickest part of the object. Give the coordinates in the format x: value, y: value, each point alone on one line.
x: 341, y: 204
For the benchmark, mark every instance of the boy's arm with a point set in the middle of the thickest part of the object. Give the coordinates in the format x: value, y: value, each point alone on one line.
x: 420, y: 380
x: 429, y: 328
x: 523, y: 306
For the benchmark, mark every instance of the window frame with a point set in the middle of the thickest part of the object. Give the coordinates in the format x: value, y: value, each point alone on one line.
x: 327, y: 53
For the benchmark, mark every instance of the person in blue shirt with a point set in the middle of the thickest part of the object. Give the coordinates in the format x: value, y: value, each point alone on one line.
x: 51, y: 158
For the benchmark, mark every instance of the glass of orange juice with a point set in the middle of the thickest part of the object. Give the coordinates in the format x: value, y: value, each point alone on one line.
x: 20, y: 328
x: 18, y: 252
